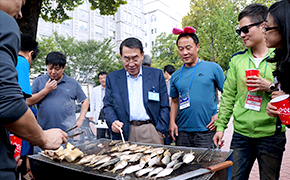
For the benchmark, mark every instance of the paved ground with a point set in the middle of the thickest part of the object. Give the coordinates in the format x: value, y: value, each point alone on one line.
x: 285, y: 168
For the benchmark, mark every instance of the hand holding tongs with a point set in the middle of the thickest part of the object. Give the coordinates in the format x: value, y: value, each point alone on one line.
x: 210, y: 150
x: 73, y: 134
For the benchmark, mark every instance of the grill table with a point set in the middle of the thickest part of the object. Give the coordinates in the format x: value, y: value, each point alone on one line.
x: 45, y: 168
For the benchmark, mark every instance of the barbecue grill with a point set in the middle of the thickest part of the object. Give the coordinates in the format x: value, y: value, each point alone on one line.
x: 45, y: 168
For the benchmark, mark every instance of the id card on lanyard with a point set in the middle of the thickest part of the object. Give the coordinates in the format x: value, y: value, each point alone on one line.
x: 184, y: 102
x: 254, y: 99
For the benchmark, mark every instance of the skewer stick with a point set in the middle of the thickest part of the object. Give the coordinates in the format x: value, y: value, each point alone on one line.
x: 122, y: 135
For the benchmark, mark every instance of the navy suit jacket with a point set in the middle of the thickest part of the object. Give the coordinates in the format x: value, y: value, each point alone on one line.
x: 116, y: 100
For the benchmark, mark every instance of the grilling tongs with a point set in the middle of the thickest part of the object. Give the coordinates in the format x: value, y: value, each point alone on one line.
x: 73, y: 134
x: 210, y: 150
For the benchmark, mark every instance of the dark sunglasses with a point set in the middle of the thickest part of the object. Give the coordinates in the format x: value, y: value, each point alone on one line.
x: 245, y: 29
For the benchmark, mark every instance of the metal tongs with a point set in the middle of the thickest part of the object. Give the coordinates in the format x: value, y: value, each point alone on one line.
x: 210, y: 150
x: 73, y: 134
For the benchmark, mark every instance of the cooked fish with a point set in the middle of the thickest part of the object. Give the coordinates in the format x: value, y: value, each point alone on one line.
x: 142, y: 149
x: 157, y: 151
x: 120, y: 165
x: 144, y: 171
x: 188, y: 158
x: 132, y: 169
x: 86, y: 159
x: 135, y: 157
x: 148, y: 151
x: 112, y: 161
x: 155, y: 171
x: 126, y: 156
x: 176, y: 166
x: 95, y: 159
x: 172, y: 163
x: 167, y: 153
x: 112, y: 143
x: 166, y: 159
x: 155, y: 160
x: 145, y: 159
x: 176, y: 155
x: 137, y: 147
x: 101, y: 161
x: 123, y: 147
x: 131, y: 146
x: 164, y: 172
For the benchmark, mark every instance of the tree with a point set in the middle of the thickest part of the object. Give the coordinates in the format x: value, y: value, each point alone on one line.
x: 35, y: 8
x: 215, y: 22
x: 165, y: 52
x: 84, y: 58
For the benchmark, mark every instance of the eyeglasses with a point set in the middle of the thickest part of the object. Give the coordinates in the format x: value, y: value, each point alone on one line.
x: 268, y: 28
x: 245, y: 29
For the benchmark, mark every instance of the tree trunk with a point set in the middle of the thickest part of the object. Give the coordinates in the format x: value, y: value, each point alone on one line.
x: 30, y: 12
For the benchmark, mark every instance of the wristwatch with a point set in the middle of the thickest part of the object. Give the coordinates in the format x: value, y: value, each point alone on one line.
x: 271, y: 88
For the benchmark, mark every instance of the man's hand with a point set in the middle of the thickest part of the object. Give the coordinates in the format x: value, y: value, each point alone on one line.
x: 277, y: 93
x: 54, y: 138
x: 211, y: 125
x: 272, y: 110
x: 260, y: 84
x: 50, y: 85
x: 116, y: 125
x: 217, y: 139
x: 79, y: 122
x: 91, y: 118
x: 173, y: 129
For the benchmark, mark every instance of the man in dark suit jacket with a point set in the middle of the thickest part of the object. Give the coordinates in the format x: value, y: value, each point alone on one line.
x: 136, y: 100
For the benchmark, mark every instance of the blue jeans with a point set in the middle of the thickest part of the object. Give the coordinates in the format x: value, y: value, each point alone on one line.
x: 267, y: 150
x: 195, y: 139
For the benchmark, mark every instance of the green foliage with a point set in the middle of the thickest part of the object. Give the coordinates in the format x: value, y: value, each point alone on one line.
x: 58, y: 14
x: 215, y: 22
x: 84, y: 58
x: 165, y: 52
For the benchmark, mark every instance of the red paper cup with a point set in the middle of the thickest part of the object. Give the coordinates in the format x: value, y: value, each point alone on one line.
x: 282, y: 103
x: 252, y: 72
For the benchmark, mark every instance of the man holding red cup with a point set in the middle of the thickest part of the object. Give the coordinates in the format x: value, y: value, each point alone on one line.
x: 246, y: 92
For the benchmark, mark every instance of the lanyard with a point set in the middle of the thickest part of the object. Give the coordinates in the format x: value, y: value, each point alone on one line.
x: 190, y: 80
x: 257, y: 68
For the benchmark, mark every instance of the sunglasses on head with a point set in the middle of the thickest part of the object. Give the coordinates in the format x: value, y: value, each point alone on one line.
x: 245, y: 29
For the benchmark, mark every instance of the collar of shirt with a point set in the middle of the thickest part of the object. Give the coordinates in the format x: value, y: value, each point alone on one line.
x: 129, y: 76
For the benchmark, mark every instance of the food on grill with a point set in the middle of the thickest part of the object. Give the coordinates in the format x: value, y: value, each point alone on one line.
x: 120, y: 165
x: 69, y: 146
x: 157, y: 151
x: 94, y: 160
x: 135, y: 157
x: 176, y: 166
x: 155, y: 171
x: 86, y: 159
x: 101, y: 161
x: 176, y: 155
x: 172, y: 163
x: 114, y: 142
x: 155, y: 160
x: 132, y: 169
x: 145, y: 159
x: 166, y: 157
x: 73, y: 154
x: 188, y: 158
x: 144, y: 171
x: 112, y: 161
x: 164, y: 172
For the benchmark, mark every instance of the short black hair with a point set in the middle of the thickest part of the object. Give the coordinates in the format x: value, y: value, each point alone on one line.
x: 192, y: 35
x: 56, y: 59
x: 256, y: 12
x: 131, y: 43
x: 102, y: 73
x: 29, y: 44
x: 169, y: 68
x: 146, y: 60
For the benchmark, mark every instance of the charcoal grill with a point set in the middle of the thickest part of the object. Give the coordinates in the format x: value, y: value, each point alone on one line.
x: 45, y: 168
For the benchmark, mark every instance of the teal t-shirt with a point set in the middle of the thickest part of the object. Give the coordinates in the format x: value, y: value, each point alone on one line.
x: 203, y: 102
x: 22, y: 68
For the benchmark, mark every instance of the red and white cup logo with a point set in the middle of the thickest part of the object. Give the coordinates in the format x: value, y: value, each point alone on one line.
x: 282, y: 103
x: 252, y: 72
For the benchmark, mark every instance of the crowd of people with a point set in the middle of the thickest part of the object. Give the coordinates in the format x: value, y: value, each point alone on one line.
x: 149, y: 105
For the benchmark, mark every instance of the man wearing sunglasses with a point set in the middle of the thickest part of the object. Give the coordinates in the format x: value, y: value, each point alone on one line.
x: 256, y: 135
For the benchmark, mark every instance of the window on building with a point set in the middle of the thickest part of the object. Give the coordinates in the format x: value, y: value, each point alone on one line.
x: 67, y: 23
x: 145, y: 33
x: 129, y: 18
x: 153, y: 18
x: 145, y: 45
x: 83, y: 25
x: 145, y: 21
x: 152, y: 43
x: 99, y: 30
x: 152, y: 32
x: 112, y: 34
x: 155, y: 30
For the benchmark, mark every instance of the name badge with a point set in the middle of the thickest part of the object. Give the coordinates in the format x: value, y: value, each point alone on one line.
x: 184, y: 102
x: 153, y: 96
x: 253, y: 102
